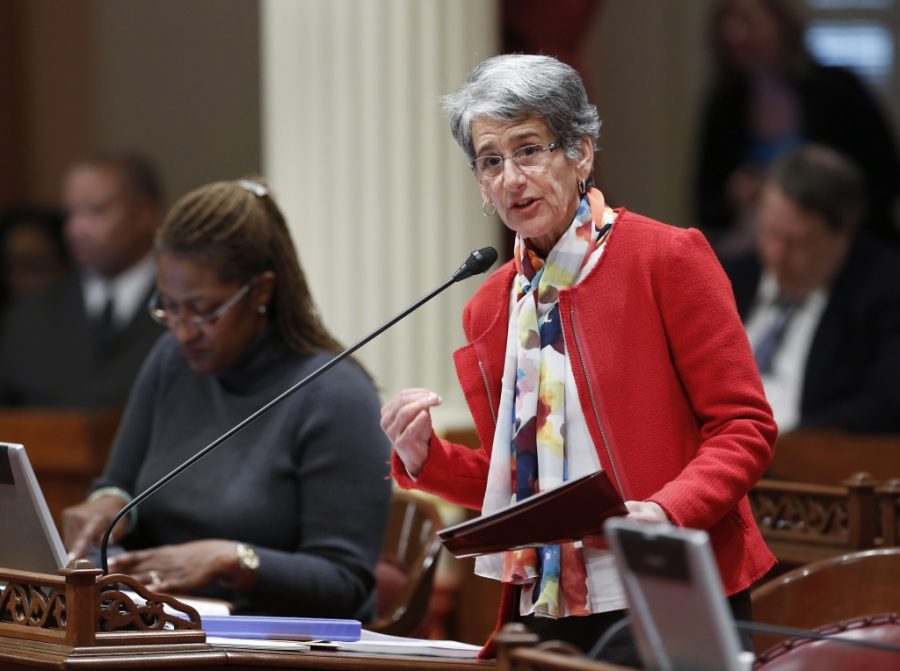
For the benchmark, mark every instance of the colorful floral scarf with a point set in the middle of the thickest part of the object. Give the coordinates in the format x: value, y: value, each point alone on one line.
x: 536, y: 438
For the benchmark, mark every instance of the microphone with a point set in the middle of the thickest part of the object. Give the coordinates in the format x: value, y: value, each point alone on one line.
x: 478, y: 262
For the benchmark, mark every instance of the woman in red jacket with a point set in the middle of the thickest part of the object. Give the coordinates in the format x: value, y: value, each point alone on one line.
x: 609, y: 341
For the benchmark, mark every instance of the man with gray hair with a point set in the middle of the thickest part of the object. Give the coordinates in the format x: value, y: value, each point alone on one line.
x: 820, y: 301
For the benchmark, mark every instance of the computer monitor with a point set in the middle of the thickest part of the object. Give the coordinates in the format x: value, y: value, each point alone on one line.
x: 679, y: 615
x: 29, y: 539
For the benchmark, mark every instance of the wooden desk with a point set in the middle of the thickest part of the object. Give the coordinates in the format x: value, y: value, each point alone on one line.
x: 13, y: 657
x: 520, y: 650
x: 82, y: 620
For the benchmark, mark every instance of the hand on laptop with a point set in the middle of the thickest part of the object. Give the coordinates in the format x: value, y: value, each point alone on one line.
x: 83, y: 524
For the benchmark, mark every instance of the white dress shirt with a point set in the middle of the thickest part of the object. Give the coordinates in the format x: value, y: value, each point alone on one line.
x: 784, y: 383
x: 127, y: 290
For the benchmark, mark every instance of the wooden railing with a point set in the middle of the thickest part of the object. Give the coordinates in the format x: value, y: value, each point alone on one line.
x: 888, y: 494
x: 805, y: 522
x: 83, y: 607
x: 828, y: 493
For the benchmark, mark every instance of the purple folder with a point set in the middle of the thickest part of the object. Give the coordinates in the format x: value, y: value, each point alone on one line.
x: 283, y: 628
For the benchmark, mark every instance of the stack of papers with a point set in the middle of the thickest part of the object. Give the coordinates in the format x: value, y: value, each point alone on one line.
x: 300, y: 634
x: 373, y: 643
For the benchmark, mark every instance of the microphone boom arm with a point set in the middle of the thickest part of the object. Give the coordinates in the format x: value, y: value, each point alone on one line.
x: 479, y: 265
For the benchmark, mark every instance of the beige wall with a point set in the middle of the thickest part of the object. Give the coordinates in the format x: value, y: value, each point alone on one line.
x: 379, y: 199
x: 181, y: 79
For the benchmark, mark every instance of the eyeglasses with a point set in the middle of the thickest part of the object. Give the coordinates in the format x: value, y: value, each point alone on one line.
x: 528, y: 157
x: 170, y: 315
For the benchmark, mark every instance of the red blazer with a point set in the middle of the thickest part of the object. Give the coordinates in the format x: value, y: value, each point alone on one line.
x: 666, y: 381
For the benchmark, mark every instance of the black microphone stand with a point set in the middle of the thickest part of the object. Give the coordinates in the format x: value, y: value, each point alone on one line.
x: 479, y: 261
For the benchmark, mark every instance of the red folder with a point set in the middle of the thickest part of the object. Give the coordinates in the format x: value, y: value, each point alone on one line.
x: 575, y: 509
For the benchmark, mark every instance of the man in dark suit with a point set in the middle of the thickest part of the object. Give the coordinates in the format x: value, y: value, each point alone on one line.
x: 81, y: 343
x: 820, y: 301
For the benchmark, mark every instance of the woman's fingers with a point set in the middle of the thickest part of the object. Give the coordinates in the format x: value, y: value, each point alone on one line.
x: 79, y: 540
x: 398, y: 413
x: 646, y: 512
x: 83, y: 524
x: 406, y: 420
x: 413, y: 444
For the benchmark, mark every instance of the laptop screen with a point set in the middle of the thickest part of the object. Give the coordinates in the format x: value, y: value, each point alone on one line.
x: 679, y: 615
x: 31, y: 541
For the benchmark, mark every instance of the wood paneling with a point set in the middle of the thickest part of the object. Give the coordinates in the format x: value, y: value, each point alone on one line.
x: 67, y: 449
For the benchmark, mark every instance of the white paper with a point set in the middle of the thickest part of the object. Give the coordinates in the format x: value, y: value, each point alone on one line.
x: 374, y: 643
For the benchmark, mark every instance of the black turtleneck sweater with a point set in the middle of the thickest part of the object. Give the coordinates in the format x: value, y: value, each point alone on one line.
x: 305, y: 484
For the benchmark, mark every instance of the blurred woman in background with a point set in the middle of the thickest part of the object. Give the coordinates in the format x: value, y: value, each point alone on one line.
x: 770, y: 96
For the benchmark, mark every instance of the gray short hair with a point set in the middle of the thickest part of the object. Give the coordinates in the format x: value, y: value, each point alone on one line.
x: 513, y: 87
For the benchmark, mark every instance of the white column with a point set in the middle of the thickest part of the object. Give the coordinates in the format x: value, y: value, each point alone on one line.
x: 380, y: 201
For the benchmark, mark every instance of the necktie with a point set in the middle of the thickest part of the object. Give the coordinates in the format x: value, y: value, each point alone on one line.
x: 765, y: 349
x: 104, y: 329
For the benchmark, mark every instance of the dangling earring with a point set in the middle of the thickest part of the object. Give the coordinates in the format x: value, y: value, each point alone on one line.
x: 262, y: 309
x: 582, y: 186
x: 488, y: 209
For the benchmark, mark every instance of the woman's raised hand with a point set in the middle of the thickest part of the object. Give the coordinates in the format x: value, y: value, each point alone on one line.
x: 406, y: 420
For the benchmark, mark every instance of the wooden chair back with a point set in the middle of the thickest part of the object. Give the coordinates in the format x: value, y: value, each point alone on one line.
x: 405, y: 571
x: 827, y: 457
x: 799, y: 654
x: 828, y: 591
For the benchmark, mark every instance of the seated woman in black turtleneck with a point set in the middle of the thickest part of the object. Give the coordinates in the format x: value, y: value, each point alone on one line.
x: 287, y: 516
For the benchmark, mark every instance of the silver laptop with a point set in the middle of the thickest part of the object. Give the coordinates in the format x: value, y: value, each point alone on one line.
x: 29, y: 539
x: 679, y: 615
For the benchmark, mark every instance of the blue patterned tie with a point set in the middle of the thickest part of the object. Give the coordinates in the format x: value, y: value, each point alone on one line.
x: 765, y: 349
